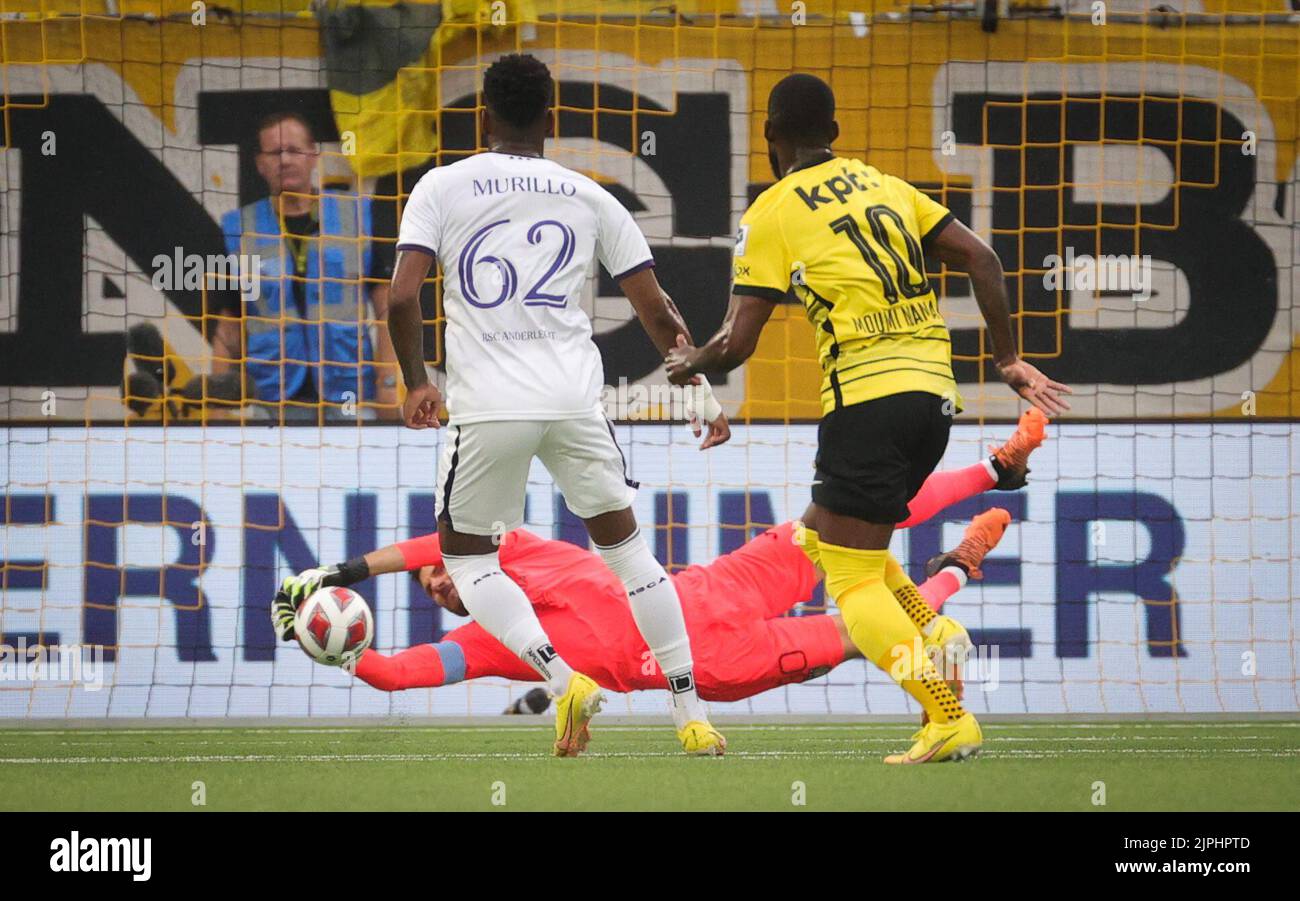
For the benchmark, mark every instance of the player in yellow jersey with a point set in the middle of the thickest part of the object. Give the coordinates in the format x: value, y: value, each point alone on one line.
x: 848, y: 240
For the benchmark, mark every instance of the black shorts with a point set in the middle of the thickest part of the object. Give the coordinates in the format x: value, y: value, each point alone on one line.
x: 873, y: 457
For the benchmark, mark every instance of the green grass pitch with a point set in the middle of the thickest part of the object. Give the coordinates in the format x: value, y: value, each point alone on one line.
x: 1028, y: 766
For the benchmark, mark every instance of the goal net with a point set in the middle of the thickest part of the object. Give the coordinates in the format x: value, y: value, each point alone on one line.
x: 1135, y: 171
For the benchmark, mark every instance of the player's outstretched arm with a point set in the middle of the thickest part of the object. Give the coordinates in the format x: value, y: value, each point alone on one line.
x: 406, y: 328
x: 417, y: 667
x: 297, y: 588
x: 960, y: 248
x: 423, y: 666
x: 733, y: 344
x: 658, y: 314
x: 666, y: 328
x: 468, y: 652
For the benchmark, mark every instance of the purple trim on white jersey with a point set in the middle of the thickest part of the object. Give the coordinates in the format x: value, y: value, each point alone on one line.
x: 420, y: 247
x: 648, y: 264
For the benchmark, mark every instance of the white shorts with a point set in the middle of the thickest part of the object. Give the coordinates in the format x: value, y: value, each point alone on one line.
x: 483, y: 470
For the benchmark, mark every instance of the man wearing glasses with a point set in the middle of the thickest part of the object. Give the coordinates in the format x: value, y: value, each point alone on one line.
x: 303, y: 334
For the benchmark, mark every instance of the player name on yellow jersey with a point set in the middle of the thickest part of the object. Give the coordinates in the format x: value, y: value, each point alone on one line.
x: 848, y: 239
x: 903, y: 316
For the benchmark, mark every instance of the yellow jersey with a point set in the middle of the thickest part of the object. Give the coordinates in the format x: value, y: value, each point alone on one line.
x: 848, y: 239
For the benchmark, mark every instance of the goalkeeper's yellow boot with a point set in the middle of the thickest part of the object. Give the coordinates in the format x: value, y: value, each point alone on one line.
x: 573, y: 711
x: 937, y: 742
x: 699, y: 739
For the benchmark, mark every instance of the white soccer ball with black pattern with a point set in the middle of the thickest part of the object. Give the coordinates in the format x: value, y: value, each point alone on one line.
x: 334, y: 626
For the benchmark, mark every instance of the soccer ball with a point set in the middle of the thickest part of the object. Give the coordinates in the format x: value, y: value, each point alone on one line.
x: 334, y: 626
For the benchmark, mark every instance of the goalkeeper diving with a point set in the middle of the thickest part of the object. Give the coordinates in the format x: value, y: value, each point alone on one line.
x: 735, y: 607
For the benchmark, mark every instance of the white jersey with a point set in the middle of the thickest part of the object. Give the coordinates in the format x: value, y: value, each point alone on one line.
x: 516, y: 237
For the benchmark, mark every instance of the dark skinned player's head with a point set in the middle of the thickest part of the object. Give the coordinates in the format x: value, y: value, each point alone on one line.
x: 800, y: 117
x: 517, y: 92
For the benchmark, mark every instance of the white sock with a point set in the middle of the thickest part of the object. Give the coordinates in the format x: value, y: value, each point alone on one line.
x: 658, y: 614
x: 500, y: 606
x: 957, y: 573
x: 990, y: 469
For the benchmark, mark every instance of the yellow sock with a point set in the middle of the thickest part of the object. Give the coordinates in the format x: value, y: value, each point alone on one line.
x: 881, y: 630
x: 909, y: 597
x: 808, y: 542
x: 896, y: 578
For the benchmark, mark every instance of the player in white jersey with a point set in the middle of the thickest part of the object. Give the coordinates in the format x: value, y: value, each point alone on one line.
x: 517, y: 236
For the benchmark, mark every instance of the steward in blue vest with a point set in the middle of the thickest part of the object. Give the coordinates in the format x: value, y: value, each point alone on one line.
x: 306, y: 337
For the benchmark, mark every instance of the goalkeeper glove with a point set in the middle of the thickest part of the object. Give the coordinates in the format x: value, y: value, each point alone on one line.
x: 305, y: 583
x: 282, y: 616
x: 293, y: 591
x: 296, y: 589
